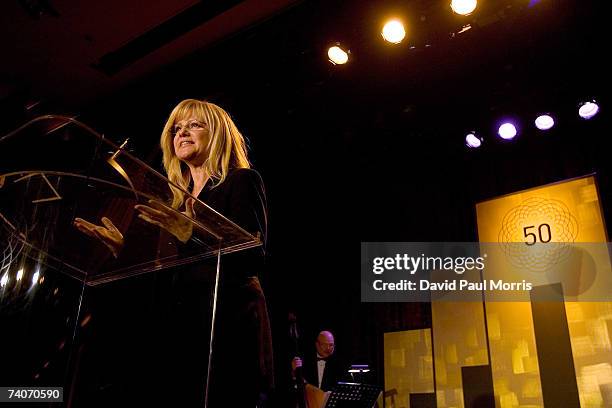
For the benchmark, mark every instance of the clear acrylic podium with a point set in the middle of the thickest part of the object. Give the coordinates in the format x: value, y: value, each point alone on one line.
x: 108, y: 329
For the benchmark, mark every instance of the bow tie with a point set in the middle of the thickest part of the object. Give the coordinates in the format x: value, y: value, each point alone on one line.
x: 321, y: 359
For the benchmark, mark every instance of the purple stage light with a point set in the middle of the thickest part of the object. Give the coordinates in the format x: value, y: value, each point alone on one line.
x: 588, y: 109
x: 472, y: 141
x: 507, y: 131
x: 544, y: 122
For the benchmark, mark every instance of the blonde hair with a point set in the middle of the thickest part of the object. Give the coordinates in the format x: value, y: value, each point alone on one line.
x: 227, y: 147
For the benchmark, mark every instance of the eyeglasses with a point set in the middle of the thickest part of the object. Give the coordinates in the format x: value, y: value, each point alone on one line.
x: 191, y: 125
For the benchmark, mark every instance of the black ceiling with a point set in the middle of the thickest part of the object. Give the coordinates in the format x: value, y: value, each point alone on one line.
x: 70, y: 53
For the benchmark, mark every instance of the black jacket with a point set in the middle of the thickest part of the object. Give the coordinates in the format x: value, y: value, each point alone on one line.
x: 334, y: 371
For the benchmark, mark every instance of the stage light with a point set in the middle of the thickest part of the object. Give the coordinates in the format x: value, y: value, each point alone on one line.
x: 337, y: 55
x: 394, y: 32
x: 472, y: 141
x: 588, y: 109
x: 463, y: 7
x: 544, y: 122
x: 19, y: 274
x: 4, y: 280
x: 507, y: 131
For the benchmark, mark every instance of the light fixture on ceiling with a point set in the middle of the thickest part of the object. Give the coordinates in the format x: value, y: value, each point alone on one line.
x: 337, y: 55
x: 588, y: 109
x: 544, y: 122
x: 507, y: 131
x: 463, y: 7
x: 393, y: 31
x: 472, y: 141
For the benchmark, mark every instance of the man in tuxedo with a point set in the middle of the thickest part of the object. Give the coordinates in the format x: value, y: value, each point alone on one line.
x: 322, y: 368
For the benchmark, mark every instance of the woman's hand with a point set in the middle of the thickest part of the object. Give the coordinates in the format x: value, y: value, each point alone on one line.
x: 108, y: 234
x: 172, y: 221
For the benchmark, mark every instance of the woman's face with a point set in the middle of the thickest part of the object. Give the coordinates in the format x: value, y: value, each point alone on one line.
x: 191, y: 138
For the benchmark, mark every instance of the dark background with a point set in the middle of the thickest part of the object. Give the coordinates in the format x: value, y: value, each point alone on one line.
x: 374, y: 150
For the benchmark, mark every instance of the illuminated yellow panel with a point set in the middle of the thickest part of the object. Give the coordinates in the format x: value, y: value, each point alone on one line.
x: 408, y: 364
x: 570, y: 208
x: 514, y: 362
x: 567, y: 212
x: 459, y: 341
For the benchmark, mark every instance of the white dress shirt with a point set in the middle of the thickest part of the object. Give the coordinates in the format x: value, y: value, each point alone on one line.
x: 320, y: 369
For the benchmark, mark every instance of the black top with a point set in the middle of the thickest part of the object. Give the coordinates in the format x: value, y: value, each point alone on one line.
x: 241, y: 198
x: 331, y: 375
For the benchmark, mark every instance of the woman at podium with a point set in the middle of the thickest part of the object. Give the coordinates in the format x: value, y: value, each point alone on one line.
x: 205, y: 154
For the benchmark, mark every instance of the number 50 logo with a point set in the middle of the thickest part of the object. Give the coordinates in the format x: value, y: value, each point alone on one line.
x: 543, y: 231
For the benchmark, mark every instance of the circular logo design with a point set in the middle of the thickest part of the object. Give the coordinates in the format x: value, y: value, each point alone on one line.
x: 538, y: 233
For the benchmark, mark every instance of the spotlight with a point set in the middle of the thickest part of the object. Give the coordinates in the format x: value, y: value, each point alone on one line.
x: 394, y: 32
x: 472, y: 141
x: 544, y: 122
x: 337, y: 55
x: 463, y: 7
x: 4, y: 280
x: 588, y: 109
x: 507, y: 131
x: 19, y: 274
